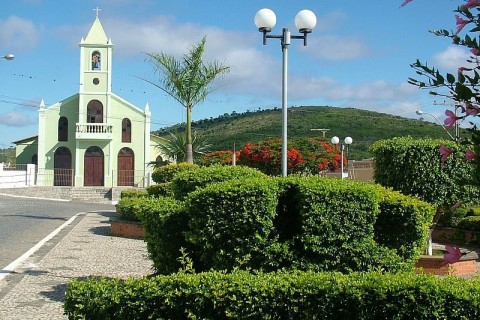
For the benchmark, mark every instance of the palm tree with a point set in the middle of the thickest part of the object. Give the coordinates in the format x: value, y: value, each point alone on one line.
x: 175, y: 147
x: 187, y: 80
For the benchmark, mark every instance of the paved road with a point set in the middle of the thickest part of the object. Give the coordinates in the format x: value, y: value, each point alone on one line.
x: 24, y: 222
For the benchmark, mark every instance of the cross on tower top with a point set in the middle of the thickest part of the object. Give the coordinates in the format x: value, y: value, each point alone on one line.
x: 97, y: 10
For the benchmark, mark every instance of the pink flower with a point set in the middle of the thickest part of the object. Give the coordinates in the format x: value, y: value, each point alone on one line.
x: 471, y: 110
x: 461, y: 69
x: 470, y: 155
x: 404, y: 3
x: 461, y: 23
x: 445, y: 152
x: 451, y: 118
x: 475, y: 51
x: 472, y: 3
x: 453, y: 254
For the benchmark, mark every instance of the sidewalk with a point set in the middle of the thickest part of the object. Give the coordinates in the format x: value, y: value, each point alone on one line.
x: 37, y: 289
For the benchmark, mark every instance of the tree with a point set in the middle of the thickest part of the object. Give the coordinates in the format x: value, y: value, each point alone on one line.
x: 463, y: 87
x: 187, y: 80
x: 175, y: 147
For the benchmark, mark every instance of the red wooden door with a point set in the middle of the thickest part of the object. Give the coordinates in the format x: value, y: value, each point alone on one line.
x: 93, y: 167
x: 126, y: 167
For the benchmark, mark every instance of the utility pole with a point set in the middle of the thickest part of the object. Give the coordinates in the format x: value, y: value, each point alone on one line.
x: 456, y: 106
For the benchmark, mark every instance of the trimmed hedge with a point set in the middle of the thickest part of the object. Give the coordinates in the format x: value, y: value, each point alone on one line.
x: 413, y: 167
x: 298, y: 295
x: 163, y: 189
x: 165, y: 221
x: 329, y: 225
x: 188, y: 181
x: 131, y: 208
x: 403, y: 223
x: 231, y: 223
x: 306, y: 223
x: 167, y: 173
x: 133, y: 193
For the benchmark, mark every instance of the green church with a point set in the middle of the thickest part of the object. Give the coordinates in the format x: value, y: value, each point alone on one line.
x: 94, y: 137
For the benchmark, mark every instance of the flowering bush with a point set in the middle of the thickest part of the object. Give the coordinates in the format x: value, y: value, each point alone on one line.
x: 217, y: 157
x: 304, y: 156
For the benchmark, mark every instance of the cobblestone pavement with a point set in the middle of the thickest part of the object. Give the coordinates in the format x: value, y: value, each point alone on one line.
x: 37, y: 289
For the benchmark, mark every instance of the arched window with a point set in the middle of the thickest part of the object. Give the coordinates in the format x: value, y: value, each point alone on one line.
x: 96, y: 60
x: 63, y: 129
x: 126, y: 130
x: 95, y: 112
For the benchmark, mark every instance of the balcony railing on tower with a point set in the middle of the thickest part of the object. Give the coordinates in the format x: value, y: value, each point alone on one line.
x: 94, y: 131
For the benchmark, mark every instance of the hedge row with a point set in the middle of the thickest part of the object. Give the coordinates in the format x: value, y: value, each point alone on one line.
x: 414, y: 167
x: 294, y: 223
x: 298, y: 295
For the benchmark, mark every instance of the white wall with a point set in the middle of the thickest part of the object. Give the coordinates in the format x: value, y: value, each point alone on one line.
x: 23, y: 176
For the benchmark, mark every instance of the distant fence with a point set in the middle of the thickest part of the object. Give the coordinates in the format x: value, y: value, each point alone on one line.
x: 131, y: 178
x: 361, y: 170
x: 19, y: 176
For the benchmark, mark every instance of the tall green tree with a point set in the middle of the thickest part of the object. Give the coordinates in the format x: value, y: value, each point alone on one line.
x: 188, y: 80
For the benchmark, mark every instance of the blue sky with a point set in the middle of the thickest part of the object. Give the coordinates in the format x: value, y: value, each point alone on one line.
x: 357, y: 56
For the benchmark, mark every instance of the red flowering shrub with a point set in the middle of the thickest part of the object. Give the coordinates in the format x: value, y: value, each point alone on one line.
x: 304, y: 156
x: 217, y: 157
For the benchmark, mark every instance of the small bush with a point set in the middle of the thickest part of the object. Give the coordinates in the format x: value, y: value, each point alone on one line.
x: 133, y: 193
x: 131, y: 208
x: 298, y: 295
x: 413, y: 167
x: 190, y: 180
x: 160, y: 190
x: 165, y: 221
x: 168, y: 172
x: 232, y: 223
x: 469, y: 223
x: 402, y: 223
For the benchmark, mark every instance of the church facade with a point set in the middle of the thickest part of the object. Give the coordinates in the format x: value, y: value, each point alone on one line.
x: 94, y: 137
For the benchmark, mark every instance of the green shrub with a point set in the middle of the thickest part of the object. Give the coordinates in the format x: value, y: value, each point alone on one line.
x: 469, y: 223
x: 307, y: 223
x: 163, y: 189
x: 188, y: 181
x: 168, y: 172
x: 133, y: 193
x: 131, y: 208
x: 232, y: 223
x: 402, y: 223
x: 298, y: 295
x: 413, y: 167
x: 164, y: 220
x: 329, y: 224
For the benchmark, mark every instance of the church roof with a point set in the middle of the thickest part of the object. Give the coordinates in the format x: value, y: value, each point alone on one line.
x: 96, y: 35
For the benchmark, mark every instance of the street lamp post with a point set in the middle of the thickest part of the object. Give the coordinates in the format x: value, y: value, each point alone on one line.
x: 348, y: 141
x: 8, y: 56
x: 305, y: 21
x: 420, y: 113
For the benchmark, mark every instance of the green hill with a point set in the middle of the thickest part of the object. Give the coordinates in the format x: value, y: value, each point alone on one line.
x: 365, y: 127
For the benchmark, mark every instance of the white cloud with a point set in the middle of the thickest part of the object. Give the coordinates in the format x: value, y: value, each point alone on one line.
x: 15, y: 119
x: 18, y: 33
x: 337, y: 48
x: 451, y: 59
